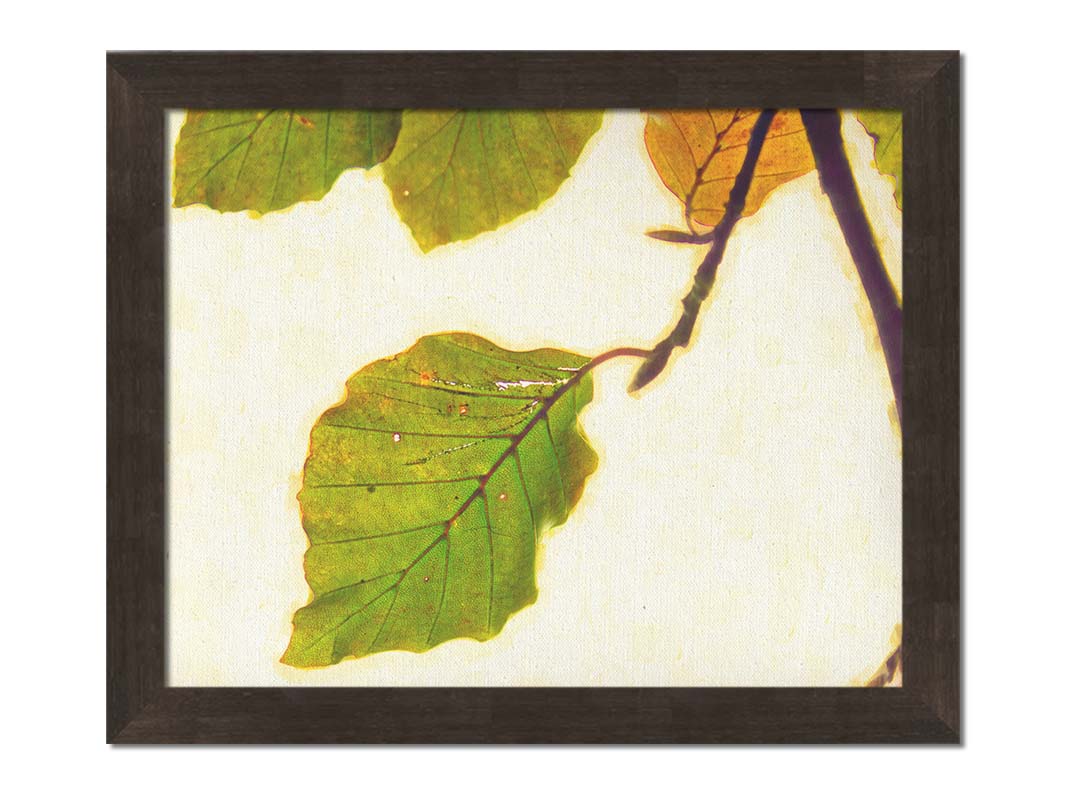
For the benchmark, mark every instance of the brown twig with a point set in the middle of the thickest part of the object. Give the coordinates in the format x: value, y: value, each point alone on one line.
x: 835, y: 174
x: 705, y: 274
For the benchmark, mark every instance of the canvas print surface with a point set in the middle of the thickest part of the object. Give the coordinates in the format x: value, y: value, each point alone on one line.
x: 534, y: 397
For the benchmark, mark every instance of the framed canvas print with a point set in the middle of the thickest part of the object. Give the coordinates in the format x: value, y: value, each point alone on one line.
x: 533, y: 397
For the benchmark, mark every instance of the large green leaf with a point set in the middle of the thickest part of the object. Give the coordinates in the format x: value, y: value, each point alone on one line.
x: 268, y: 160
x: 426, y: 492
x: 886, y: 128
x: 455, y: 174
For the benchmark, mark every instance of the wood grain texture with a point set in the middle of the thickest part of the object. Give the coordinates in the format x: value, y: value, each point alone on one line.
x: 136, y: 369
x: 140, y: 86
x: 611, y: 79
x: 931, y: 644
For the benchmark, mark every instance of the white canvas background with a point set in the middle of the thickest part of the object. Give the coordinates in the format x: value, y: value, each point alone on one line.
x: 743, y: 527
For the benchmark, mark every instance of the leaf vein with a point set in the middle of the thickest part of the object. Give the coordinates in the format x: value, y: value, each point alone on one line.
x: 444, y: 586
x: 559, y: 465
x: 326, y: 154
x: 488, y: 172
x: 522, y: 157
x: 281, y: 161
x: 526, y: 496
x: 415, y: 433
x: 360, y: 582
x: 230, y: 152
x: 555, y: 138
x: 202, y: 131
x: 492, y: 563
x: 392, y: 483
x: 379, y: 536
x: 419, y: 145
x: 451, y: 390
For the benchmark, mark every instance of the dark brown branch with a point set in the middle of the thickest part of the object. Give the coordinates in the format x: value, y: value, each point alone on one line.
x: 705, y: 275
x: 835, y: 174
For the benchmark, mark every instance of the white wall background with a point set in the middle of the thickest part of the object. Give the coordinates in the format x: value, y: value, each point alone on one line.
x: 744, y: 525
x: 53, y: 334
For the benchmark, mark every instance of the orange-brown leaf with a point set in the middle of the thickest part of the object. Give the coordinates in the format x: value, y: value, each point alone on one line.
x: 698, y: 153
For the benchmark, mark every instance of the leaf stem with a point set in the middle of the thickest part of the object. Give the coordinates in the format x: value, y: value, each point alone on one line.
x: 705, y: 274
x: 618, y: 352
x: 839, y: 184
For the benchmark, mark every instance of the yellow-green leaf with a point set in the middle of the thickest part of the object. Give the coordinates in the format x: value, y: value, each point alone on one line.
x: 270, y: 159
x: 698, y: 153
x: 456, y: 174
x: 427, y: 490
x: 886, y: 128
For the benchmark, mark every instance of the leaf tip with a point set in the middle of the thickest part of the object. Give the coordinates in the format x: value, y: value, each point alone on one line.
x: 291, y: 659
x: 680, y: 237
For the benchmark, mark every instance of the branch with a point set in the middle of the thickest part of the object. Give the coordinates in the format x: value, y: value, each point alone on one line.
x: 705, y: 274
x: 888, y: 670
x: 835, y: 174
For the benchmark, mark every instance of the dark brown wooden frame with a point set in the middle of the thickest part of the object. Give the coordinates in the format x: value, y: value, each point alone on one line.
x: 140, y: 86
